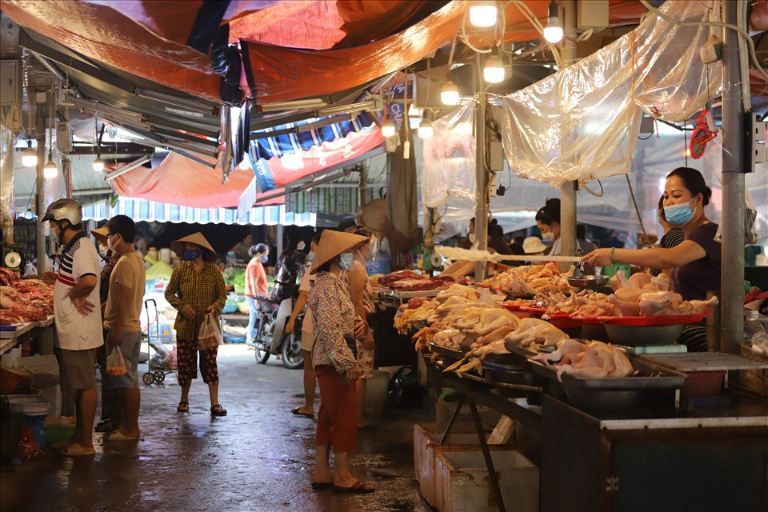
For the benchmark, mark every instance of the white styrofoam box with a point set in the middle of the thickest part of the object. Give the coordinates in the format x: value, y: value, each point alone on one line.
x: 426, y: 447
x: 40, y: 365
x: 464, y: 486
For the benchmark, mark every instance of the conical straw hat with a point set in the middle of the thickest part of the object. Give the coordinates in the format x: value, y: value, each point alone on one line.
x: 333, y: 243
x: 209, y: 254
x: 100, y: 234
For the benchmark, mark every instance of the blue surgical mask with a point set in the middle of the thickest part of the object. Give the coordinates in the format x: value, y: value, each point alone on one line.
x: 191, y: 254
x: 264, y: 259
x: 345, y: 262
x: 311, y: 257
x: 679, y: 214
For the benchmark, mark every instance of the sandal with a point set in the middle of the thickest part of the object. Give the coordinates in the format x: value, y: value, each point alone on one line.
x: 75, y: 450
x: 322, y: 485
x: 118, y: 435
x: 183, y: 406
x: 297, y: 412
x: 356, y: 488
x: 218, y: 410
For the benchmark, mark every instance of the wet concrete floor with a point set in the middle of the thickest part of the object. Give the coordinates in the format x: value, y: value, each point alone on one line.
x: 258, y: 458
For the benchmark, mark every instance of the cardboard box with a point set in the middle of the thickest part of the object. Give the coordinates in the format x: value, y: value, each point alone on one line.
x: 44, y: 370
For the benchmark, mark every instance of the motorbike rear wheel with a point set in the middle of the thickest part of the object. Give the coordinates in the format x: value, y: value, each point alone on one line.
x: 293, y: 357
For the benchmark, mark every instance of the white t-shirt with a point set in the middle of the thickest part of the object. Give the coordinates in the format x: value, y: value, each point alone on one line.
x: 73, y: 330
x: 306, y: 284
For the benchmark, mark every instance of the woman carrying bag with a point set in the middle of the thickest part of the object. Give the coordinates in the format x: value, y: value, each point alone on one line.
x: 336, y: 329
x: 196, y: 289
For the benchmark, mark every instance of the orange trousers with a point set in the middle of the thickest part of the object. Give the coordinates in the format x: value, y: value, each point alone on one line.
x: 337, y: 418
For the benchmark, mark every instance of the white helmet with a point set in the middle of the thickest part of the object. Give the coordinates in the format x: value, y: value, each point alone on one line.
x: 64, y: 209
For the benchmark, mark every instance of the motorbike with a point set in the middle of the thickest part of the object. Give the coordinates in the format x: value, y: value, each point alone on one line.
x: 271, y: 338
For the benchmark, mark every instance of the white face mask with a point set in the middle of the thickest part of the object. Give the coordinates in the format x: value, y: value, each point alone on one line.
x: 548, y: 237
x: 111, y: 244
x: 472, y: 238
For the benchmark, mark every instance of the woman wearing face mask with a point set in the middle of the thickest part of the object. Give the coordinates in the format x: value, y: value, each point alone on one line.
x: 255, y: 284
x: 112, y: 411
x: 334, y: 358
x: 548, y: 222
x: 196, y: 289
x: 695, y: 261
x: 286, y: 271
x: 307, y: 337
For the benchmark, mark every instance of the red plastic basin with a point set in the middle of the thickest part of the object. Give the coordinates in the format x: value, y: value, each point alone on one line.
x: 703, y: 384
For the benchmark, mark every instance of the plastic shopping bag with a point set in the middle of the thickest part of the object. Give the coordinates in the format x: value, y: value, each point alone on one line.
x: 209, y: 335
x: 116, y: 363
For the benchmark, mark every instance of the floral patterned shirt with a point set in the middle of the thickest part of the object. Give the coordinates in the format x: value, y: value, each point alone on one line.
x: 334, y: 318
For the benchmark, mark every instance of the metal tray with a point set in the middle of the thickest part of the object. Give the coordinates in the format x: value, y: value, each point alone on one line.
x: 447, y: 352
x: 646, y: 335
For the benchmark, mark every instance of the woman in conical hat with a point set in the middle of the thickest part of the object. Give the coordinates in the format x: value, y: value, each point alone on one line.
x: 333, y: 356
x: 196, y: 289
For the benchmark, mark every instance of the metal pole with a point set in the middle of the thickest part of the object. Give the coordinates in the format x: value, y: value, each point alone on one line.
x: 568, y: 190
x: 42, y: 262
x: 363, y: 187
x: 732, y: 278
x: 481, y: 173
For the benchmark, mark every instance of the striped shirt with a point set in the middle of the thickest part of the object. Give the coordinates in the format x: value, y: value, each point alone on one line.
x: 199, y: 290
x: 75, y: 331
x: 671, y: 238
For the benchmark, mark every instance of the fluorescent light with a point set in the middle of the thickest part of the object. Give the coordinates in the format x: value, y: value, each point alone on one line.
x: 293, y: 105
x: 103, y: 108
x: 493, y: 72
x: 449, y: 94
x: 369, y: 106
x: 388, y: 129
x: 126, y: 168
x: 425, y: 129
x: 29, y: 156
x: 553, y: 32
x: 483, y: 14
x: 196, y: 107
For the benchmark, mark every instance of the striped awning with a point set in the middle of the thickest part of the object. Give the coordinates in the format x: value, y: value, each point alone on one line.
x: 335, y: 199
x: 151, y: 211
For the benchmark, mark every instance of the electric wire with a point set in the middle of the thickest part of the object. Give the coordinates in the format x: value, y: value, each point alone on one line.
x: 637, y: 209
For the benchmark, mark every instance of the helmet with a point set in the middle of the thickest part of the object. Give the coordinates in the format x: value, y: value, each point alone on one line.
x: 64, y: 209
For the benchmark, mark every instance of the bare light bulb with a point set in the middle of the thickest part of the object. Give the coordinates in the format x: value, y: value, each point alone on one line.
x: 29, y: 156
x: 449, y: 94
x: 493, y: 72
x: 388, y: 129
x: 425, y: 129
x: 50, y: 170
x: 98, y: 165
x: 483, y: 14
x: 553, y: 32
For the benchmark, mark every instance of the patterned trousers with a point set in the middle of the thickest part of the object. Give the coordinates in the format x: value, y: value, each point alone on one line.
x: 187, y: 360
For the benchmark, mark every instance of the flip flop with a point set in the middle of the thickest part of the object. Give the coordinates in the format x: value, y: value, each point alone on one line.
x: 322, y: 485
x: 218, y: 410
x: 357, y: 488
x: 118, y: 435
x: 75, y: 450
x: 61, y: 445
x: 183, y: 406
x: 298, y: 412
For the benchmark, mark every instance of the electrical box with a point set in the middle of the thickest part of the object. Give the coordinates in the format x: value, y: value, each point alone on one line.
x: 63, y: 136
x: 496, y: 159
x: 591, y: 14
x: 755, y: 142
x: 10, y: 82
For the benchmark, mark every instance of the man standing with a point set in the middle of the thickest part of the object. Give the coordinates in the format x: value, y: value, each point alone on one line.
x: 78, y: 319
x: 121, y: 319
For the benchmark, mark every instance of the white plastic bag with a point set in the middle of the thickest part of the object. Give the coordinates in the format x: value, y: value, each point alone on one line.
x: 116, y: 363
x: 209, y: 335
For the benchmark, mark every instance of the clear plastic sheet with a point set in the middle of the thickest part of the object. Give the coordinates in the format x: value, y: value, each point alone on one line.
x: 6, y: 175
x: 449, y: 159
x: 581, y: 123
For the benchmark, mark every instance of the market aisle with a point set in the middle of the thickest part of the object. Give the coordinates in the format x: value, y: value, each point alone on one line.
x: 259, y: 457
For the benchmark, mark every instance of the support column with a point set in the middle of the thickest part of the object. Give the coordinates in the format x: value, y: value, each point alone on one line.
x: 568, y: 189
x: 481, y: 173
x: 732, y: 278
x: 41, y: 202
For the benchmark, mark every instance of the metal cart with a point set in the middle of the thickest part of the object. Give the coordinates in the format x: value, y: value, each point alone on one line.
x: 158, y: 366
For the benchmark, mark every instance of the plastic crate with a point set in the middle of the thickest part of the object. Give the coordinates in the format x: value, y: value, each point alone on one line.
x: 754, y: 380
x: 464, y: 422
x: 463, y: 484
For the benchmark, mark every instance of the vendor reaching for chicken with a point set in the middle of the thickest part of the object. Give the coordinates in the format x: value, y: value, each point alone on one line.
x: 696, y: 261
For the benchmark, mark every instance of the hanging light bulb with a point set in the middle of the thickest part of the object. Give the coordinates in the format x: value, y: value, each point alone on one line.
x: 50, y: 170
x: 98, y: 165
x: 493, y: 72
x: 29, y: 156
x: 553, y: 32
x: 449, y: 94
x: 425, y: 129
x: 483, y: 14
x: 388, y: 128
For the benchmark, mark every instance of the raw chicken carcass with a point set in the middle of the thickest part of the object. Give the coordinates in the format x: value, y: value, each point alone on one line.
x: 640, y: 280
x: 599, y: 360
x: 533, y: 330
x: 564, y: 347
x: 659, y: 303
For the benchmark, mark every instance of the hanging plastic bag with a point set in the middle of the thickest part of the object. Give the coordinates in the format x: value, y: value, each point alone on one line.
x: 116, y: 363
x: 209, y: 335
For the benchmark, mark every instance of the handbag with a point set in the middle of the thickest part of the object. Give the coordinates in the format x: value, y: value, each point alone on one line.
x: 352, y: 344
